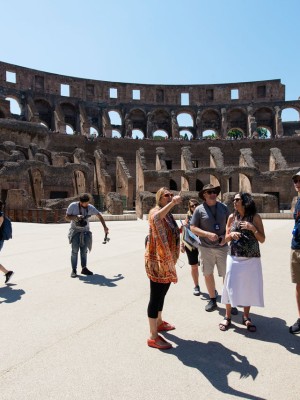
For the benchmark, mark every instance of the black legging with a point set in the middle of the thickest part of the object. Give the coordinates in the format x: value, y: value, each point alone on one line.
x: 158, y: 292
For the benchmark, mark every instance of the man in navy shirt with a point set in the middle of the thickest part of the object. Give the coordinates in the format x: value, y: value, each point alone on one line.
x: 295, y: 253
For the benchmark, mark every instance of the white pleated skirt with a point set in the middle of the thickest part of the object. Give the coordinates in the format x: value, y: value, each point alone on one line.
x: 243, y: 284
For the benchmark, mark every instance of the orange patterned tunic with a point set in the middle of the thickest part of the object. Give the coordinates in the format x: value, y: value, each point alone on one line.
x: 162, y: 250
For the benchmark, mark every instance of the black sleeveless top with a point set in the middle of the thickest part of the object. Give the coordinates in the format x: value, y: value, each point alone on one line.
x: 247, y: 245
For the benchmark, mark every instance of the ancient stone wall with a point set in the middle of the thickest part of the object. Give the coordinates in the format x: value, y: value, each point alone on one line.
x: 40, y: 159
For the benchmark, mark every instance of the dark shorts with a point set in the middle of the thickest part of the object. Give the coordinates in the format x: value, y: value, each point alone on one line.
x: 192, y: 255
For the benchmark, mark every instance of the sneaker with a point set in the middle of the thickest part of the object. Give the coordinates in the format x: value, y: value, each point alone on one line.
x: 211, y: 306
x: 296, y: 327
x: 73, y: 274
x: 8, y: 275
x: 196, y: 291
x: 234, y: 311
x: 86, y: 271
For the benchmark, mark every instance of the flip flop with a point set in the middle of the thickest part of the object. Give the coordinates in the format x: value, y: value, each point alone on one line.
x: 165, y: 326
x: 250, y: 326
x: 224, y: 327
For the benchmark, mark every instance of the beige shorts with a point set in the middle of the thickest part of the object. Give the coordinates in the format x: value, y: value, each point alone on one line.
x: 295, y: 266
x: 209, y: 257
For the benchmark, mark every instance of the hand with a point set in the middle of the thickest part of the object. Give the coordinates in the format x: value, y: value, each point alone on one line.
x: 176, y: 199
x: 247, y: 225
x: 212, y: 236
x: 235, y: 235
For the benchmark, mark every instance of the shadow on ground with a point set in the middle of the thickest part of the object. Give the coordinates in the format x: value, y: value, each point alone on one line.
x: 101, y: 280
x: 10, y: 294
x: 215, y: 362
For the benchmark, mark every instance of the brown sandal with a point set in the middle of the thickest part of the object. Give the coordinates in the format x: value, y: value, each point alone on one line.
x: 249, y: 325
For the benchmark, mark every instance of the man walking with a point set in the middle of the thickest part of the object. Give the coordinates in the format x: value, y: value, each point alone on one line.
x: 209, y: 223
x: 295, y: 253
x: 80, y: 236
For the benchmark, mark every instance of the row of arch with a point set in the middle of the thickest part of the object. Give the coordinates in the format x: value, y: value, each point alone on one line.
x: 138, y: 124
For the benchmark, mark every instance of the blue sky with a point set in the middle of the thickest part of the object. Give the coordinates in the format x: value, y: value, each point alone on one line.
x: 156, y: 41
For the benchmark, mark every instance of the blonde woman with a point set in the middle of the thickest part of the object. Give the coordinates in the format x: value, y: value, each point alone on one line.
x: 162, y: 252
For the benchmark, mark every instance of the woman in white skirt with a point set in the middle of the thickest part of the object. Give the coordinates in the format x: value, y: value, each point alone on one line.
x: 243, y: 285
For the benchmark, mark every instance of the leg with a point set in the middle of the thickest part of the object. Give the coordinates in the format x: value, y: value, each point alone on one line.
x: 224, y: 325
x: 3, y: 269
x: 157, y: 295
x: 74, y: 251
x: 247, y: 321
x: 210, y: 285
x: 298, y: 297
x: 195, y: 274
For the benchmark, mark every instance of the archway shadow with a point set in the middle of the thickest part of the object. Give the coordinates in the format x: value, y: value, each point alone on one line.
x: 269, y: 329
x: 10, y: 294
x: 101, y: 280
x: 215, y: 362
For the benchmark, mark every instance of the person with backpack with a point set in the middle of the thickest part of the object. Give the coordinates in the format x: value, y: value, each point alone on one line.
x: 4, y: 235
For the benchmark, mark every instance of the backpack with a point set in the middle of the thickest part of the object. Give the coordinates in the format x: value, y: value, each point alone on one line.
x: 6, y: 229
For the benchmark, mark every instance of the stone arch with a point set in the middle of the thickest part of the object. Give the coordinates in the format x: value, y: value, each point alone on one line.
x: 79, y: 182
x: 237, y: 119
x: 185, y: 134
x: 264, y: 117
x: 116, y: 133
x: 199, y: 185
x: 160, y: 134
x: 186, y: 119
x: 15, y: 106
x: 210, y: 120
x: 139, y: 119
x: 161, y: 121
x: 115, y: 117
x: 45, y: 112
x: 137, y: 134
x: 173, y: 185
x: 70, y: 114
x: 259, y: 135
x: 290, y: 112
x: 235, y: 133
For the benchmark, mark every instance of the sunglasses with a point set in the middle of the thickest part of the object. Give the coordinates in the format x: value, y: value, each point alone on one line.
x: 236, y: 200
x: 296, y: 180
x: 193, y: 205
x: 211, y: 192
x: 168, y: 195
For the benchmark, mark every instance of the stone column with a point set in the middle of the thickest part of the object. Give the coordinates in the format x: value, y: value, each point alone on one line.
x: 224, y: 123
x: 278, y: 123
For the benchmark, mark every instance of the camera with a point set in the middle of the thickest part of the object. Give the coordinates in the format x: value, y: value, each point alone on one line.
x: 81, y: 221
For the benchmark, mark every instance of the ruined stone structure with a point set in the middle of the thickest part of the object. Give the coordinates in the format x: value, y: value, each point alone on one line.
x: 42, y: 162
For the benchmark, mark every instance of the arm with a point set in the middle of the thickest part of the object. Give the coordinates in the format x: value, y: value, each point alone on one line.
x: 1, y: 220
x: 70, y: 217
x: 101, y: 219
x: 231, y: 235
x: 201, y: 233
x: 167, y: 208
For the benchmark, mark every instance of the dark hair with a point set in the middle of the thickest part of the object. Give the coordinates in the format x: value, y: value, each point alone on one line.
x: 1, y: 205
x: 248, y: 203
x: 84, y: 198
